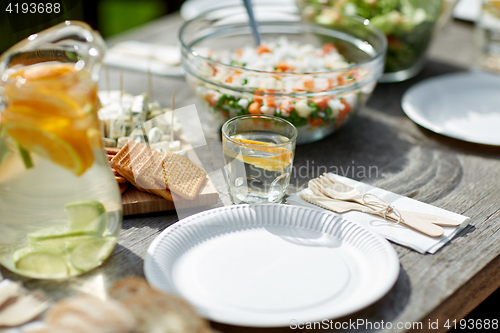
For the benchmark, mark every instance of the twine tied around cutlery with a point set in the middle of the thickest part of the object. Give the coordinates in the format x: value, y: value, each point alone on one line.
x: 384, y: 207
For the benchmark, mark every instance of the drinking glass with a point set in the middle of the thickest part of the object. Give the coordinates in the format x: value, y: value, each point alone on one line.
x: 60, y: 204
x: 258, y: 156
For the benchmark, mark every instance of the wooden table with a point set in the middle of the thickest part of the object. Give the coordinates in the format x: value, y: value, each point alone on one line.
x: 454, y: 175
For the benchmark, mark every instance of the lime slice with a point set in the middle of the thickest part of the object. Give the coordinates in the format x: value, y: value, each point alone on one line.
x: 60, y: 231
x: 89, y: 215
x: 61, y: 244
x: 25, y: 156
x: 92, y: 253
x: 41, y: 264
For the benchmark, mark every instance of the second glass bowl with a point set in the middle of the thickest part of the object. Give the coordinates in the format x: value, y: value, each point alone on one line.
x: 408, y: 25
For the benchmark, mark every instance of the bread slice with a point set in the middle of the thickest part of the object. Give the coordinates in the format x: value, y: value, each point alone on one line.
x: 170, y: 303
x: 130, y: 286
x: 156, y: 311
x: 88, y: 314
x: 153, y: 319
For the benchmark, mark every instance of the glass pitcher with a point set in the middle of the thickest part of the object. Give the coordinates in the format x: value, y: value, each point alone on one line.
x: 60, y: 206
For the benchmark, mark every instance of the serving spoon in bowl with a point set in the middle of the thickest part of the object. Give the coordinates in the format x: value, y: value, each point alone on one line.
x: 253, y: 22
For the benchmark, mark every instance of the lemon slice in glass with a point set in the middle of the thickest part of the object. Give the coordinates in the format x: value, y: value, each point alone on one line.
x: 277, y: 160
x: 92, y: 253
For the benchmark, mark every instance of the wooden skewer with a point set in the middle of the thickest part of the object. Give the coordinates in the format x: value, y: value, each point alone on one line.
x: 121, y: 98
x: 172, y: 121
x: 107, y: 82
x: 150, y: 83
x: 121, y: 87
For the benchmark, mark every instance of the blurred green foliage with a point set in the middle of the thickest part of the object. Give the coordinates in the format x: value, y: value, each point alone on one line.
x: 15, y: 27
x: 110, y: 17
x: 116, y: 16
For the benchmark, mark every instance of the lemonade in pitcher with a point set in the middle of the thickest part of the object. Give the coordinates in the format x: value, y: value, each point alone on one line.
x: 60, y: 207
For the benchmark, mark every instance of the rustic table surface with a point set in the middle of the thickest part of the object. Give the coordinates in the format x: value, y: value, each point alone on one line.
x: 457, y: 176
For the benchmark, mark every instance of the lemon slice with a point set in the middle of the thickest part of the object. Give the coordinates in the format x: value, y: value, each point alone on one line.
x: 92, y: 253
x: 274, y: 163
x: 47, y: 145
x: 41, y: 263
x: 88, y: 215
x: 252, y: 142
x: 263, y: 146
x: 278, y: 161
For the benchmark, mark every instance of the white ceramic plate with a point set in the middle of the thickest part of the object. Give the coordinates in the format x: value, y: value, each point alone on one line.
x: 467, y: 10
x: 267, y: 265
x: 463, y: 106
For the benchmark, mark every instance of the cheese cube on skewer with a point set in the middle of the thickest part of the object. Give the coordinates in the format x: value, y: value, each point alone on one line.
x: 154, y: 135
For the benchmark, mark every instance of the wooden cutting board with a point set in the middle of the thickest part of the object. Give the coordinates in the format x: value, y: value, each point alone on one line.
x: 138, y: 202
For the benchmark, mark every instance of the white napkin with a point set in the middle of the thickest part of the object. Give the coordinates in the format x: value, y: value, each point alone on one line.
x: 161, y: 59
x: 395, y: 233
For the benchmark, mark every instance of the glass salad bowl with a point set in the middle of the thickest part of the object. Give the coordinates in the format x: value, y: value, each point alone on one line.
x: 315, y: 77
x: 408, y: 25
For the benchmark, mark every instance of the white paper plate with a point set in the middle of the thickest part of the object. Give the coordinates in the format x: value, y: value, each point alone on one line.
x: 463, y: 106
x: 267, y: 265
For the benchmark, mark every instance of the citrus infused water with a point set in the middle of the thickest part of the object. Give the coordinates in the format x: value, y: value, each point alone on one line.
x: 60, y: 205
x: 258, y: 163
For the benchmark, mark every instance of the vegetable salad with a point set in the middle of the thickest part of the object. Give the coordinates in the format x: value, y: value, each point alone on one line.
x: 275, y: 94
x: 408, y: 24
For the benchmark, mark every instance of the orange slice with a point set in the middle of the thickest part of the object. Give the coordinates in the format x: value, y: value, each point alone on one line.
x: 252, y: 142
x: 49, y: 104
x: 47, y: 71
x: 275, y: 163
x: 47, y: 145
x: 51, y: 112
x: 266, y: 146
